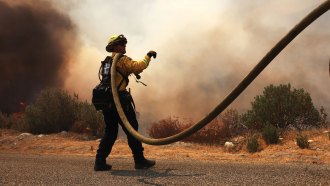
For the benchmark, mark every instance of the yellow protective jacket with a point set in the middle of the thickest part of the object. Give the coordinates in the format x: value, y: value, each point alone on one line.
x: 126, y: 66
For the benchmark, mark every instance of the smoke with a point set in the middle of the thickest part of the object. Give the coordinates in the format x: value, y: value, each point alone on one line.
x: 204, y: 65
x: 36, y: 44
x: 205, y: 48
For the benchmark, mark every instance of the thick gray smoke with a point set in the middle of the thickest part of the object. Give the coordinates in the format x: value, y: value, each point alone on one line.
x: 205, y: 48
x: 36, y: 42
x: 203, y: 66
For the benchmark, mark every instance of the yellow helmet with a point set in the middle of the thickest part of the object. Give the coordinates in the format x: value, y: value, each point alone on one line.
x: 116, y: 40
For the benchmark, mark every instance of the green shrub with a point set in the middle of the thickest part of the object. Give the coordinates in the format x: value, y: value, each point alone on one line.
x: 282, y: 107
x: 53, y: 111
x: 252, y: 144
x: 302, y: 141
x: 88, y: 120
x: 270, y: 134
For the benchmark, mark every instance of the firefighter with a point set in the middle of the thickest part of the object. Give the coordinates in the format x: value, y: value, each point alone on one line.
x: 125, y: 67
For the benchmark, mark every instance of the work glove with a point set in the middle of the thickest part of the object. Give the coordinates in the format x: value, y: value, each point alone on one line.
x: 152, y: 53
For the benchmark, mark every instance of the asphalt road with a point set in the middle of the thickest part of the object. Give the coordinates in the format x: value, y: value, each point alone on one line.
x: 25, y: 169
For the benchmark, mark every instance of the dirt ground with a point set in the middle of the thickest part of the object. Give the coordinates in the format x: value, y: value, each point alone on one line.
x: 76, y: 144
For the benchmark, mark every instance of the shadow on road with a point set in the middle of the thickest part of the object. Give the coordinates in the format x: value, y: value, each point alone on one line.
x: 149, y: 174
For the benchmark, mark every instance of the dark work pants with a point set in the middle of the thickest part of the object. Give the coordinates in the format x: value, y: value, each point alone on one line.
x: 112, y: 119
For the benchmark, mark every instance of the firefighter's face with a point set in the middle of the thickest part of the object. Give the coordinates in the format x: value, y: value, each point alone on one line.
x: 120, y: 48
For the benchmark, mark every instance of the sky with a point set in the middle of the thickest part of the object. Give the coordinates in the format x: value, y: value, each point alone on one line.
x: 205, y: 48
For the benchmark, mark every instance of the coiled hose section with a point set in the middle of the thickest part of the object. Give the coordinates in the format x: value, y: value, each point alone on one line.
x: 311, y: 17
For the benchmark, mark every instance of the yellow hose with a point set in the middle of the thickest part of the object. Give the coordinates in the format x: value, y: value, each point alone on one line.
x: 311, y: 17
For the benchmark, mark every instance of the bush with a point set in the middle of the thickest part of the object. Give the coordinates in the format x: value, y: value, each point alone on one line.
x: 252, y: 144
x: 17, y: 122
x: 282, y: 107
x: 231, y: 120
x: 4, y: 121
x: 216, y: 132
x: 302, y: 141
x: 324, y: 116
x: 53, y: 111
x: 13, y: 121
x: 165, y: 128
x: 270, y: 134
x: 88, y: 120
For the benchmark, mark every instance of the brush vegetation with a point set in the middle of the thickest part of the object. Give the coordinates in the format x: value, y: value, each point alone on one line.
x: 302, y: 141
x: 216, y: 132
x: 278, y: 108
x: 283, y: 107
x: 54, y: 111
x: 252, y: 144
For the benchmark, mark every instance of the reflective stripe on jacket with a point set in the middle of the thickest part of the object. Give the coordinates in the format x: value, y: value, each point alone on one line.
x: 127, y: 66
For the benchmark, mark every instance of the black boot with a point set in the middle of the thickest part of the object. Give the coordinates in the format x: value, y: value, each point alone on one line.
x: 101, y: 166
x: 143, y: 163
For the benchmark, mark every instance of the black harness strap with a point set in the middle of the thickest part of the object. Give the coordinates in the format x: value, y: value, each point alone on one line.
x: 124, y: 78
x: 122, y: 74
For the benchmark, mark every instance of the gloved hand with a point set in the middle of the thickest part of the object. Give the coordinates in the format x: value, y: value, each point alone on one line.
x: 152, y: 53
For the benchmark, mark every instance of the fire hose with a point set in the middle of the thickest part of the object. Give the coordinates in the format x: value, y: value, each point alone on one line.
x: 296, y: 30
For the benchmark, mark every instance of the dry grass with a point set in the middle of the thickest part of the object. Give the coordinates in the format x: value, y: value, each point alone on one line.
x: 74, y: 144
